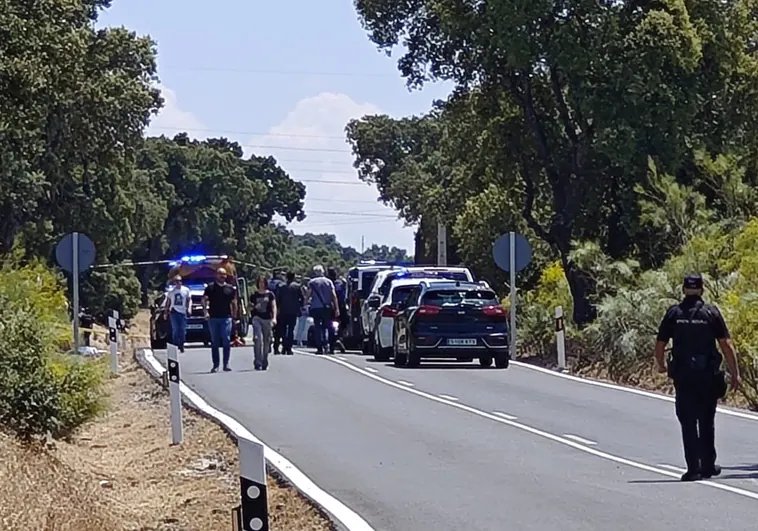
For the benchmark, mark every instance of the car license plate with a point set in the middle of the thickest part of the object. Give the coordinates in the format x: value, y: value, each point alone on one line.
x: 195, y: 327
x: 461, y: 342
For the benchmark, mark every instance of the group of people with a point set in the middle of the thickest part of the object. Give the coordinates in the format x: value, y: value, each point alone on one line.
x: 280, y: 309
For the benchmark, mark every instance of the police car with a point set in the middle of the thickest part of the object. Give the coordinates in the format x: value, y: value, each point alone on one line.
x: 453, y: 320
x: 381, y: 287
x: 359, y: 280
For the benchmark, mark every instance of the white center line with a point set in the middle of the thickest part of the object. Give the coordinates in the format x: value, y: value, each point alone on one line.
x: 371, y: 369
x: 403, y: 382
x: 504, y: 415
x: 448, y: 397
x: 580, y: 439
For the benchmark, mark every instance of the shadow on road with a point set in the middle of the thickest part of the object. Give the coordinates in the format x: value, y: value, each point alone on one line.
x: 452, y: 365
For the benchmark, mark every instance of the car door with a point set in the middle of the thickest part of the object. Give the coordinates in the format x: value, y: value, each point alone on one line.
x: 403, y: 319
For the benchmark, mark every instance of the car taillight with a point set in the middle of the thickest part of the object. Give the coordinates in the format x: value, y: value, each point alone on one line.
x: 428, y: 310
x: 388, y: 312
x: 494, y: 311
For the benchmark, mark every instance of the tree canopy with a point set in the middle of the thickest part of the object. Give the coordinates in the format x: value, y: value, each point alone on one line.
x: 74, y: 105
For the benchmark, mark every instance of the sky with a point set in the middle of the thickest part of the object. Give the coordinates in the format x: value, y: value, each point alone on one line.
x: 281, y: 78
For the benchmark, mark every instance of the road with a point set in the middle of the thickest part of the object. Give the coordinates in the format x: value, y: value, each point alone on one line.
x: 450, y: 446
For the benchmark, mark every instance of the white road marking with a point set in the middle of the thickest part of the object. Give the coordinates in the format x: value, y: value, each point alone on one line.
x: 403, y: 382
x: 580, y: 439
x: 504, y: 415
x: 448, y: 397
x: 371, y: 369
x: 671, y: 467
x: 540, y: 433
x: 649, y: 394
x: 350, y: 519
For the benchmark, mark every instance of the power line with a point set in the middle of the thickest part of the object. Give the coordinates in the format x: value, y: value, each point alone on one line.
x: 330, y: 182
x: 368, y: 214
x: 375, y: 202
x: 297, y: 148
x: 250, y: 133
x: 276, y: 72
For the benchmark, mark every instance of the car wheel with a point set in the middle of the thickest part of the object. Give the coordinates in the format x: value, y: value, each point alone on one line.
x: 485, y: 361
x: 502, y: 361
x: 381, y: 354
x: 400, y: 359
x: 414, y: 359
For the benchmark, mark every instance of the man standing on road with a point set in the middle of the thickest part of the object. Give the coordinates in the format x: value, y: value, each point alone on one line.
x: 695, y: 366
x: 324, y: 307
x: 340, y: 289
x: 219, y: 306
x: 177, y: 310
x: 290, y: 300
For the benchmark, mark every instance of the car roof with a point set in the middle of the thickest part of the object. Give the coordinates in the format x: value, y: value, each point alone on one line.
x: 450, y: 284
x: 412, y: 282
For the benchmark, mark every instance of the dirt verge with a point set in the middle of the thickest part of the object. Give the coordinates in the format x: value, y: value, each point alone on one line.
x: 121, y: 474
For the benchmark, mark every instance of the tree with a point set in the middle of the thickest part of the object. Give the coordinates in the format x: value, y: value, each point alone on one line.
x: 74, y: 101
x: 580, y: 96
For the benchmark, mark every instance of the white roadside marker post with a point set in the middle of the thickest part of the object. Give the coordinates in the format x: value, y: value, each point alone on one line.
x: 252, y: 513
x: 113, y: 339
x: 560, y: 338
x: 175, y: 394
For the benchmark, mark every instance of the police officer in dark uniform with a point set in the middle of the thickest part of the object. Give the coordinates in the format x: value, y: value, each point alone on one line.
x: 695, y: 367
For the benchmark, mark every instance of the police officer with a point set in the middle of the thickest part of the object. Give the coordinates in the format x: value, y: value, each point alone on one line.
x: 695, y: 367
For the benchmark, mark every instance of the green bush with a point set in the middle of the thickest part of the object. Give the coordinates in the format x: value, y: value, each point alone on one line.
x: 42, y: 391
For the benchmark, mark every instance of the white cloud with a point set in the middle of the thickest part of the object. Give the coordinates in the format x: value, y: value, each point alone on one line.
x: 172, y: 119
x: 310, y: 145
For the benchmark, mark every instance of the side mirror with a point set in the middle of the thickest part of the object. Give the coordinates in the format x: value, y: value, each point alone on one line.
x: 374, y: 302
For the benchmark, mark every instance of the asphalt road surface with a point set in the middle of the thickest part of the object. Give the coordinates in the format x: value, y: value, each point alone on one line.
x: 452, y: 446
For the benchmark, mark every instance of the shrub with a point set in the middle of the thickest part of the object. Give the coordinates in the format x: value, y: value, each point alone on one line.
x: 41, y: 390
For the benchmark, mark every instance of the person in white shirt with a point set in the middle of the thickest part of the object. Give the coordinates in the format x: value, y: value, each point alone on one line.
x: 177, y: 310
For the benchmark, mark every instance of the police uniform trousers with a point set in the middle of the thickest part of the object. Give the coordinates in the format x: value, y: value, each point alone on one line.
x: 696, y: 402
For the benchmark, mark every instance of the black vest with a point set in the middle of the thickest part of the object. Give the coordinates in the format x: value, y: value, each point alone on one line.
x: 694, y: 351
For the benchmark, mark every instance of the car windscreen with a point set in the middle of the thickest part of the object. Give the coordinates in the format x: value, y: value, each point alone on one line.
x: 401, y: 293
x: 367, y: 278
x: 454, y: 297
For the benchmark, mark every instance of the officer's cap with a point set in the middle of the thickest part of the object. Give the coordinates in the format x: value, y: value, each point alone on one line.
x: 693, y: 281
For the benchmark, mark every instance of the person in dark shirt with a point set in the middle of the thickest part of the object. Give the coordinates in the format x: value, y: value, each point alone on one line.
x: 289, y: 303
x: 695, y: 367
x: 263, y: 309
x: 274, y: 285
x: 219, y: 308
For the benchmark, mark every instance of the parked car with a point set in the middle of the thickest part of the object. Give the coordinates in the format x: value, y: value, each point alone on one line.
x: 451, y: 320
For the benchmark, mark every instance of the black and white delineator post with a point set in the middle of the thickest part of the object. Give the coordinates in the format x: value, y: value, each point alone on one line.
x: 113, y: 339
x: 560, y: 338
x: 175, y: 394
x: 252, y: 514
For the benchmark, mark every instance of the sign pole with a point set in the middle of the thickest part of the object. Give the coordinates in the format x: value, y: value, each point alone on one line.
x: 512, y: 258
x: 75, y: 274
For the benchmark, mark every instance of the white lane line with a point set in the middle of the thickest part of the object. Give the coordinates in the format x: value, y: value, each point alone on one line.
x: 350, y: 519
x: 342, y: 358
x: 649, y: 394
x: 671, y: 467
x: 504, y: 415
x: 448, y: 397
x: 371, y: 369
x: 540, y: 433
x: 580, y: 439
x: 403, y: 382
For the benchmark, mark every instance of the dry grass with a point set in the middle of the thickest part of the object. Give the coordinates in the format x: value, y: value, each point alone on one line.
x: 120, y: 473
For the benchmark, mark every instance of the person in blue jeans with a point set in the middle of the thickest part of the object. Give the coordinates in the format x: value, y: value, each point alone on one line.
x: 219, y: 307
x: 177, y: 308
x: 324, y: 307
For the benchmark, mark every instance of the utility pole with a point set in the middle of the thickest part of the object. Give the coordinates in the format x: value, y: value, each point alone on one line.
x: 441, y: 244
